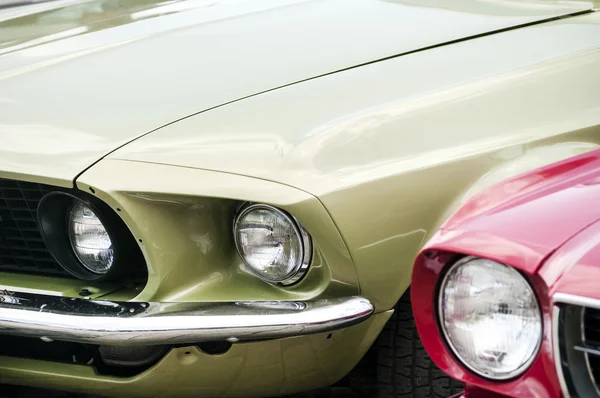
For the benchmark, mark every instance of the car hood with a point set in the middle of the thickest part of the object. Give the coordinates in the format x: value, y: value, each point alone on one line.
x: 574, y: 269
x: 524, y: 220
x: 81, y: 79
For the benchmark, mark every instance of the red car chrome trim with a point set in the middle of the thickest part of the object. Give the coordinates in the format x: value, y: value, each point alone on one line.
x: 575, y: 300
x: 556, y: 349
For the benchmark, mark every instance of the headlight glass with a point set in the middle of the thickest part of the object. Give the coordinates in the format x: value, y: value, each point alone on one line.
x: 490, y: 317
x: 90, y: 241
x: 272, y: 244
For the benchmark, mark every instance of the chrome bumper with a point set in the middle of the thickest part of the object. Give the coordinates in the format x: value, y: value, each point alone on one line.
x: 138, y: 323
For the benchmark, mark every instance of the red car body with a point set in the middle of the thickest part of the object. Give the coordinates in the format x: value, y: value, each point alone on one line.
x: 546, y: 225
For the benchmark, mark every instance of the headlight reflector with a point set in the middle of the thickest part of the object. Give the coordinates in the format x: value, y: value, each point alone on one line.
x: 272, y: 244
x: 490, y: 317
x: 90, y: 240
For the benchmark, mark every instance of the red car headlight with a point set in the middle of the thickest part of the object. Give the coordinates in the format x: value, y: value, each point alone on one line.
x: 490, y: 317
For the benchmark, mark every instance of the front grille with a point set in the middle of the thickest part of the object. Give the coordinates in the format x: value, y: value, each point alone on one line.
x: 22, y: 248
x: 577, y: 335
x: 591, y: 335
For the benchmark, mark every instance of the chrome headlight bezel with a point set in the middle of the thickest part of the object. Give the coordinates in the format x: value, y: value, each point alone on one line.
x: 302, y: 266
x: 517, y: 372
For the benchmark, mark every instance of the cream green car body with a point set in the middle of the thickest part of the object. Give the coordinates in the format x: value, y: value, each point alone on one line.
x: 369, y: 121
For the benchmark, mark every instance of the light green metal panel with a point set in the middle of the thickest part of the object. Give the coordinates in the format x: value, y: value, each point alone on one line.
x: 370, y: 160
x: 391, y: 148
x: 184, y: 219
x: 410, y: 112
x: 77, y: 82
x: 58, y: 286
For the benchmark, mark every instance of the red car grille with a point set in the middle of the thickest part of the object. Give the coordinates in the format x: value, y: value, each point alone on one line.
x: 21, y: 246
x: 577, y: 334
x: 591, y: 335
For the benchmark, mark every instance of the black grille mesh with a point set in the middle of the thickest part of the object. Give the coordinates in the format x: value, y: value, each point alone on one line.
x: 578, y: 344
x: 21, y: 246
x: 591, y: 333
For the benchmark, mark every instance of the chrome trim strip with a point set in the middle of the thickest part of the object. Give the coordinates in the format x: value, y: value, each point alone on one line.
x: 139, y: 323
x: 585, y: 353
x: 583, y: 302
x: 576, y: 300
x: 556, y: 348
x: 587, y: 350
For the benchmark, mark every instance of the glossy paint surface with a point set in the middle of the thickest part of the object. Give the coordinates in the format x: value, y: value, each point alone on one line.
x: 383, y: 119
x: 183, y: 218
x: 427, y: 143
x: 370, y: 159
x: 519, y: 222
x: 515, y: 222
x: 575, y: 268
x: 77, y: 82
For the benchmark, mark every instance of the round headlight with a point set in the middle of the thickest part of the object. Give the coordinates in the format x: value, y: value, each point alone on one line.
x: 490, y: 317
x: 90, y: 241
x: 272, y: 244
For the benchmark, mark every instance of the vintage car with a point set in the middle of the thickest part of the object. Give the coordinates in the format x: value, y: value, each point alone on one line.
x: 226, y: 198
x: 506, y: 295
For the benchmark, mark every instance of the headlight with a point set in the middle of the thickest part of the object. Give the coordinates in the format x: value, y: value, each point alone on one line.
x: 272, y: 244
x: 89, y: 239
x: 490, y: 317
